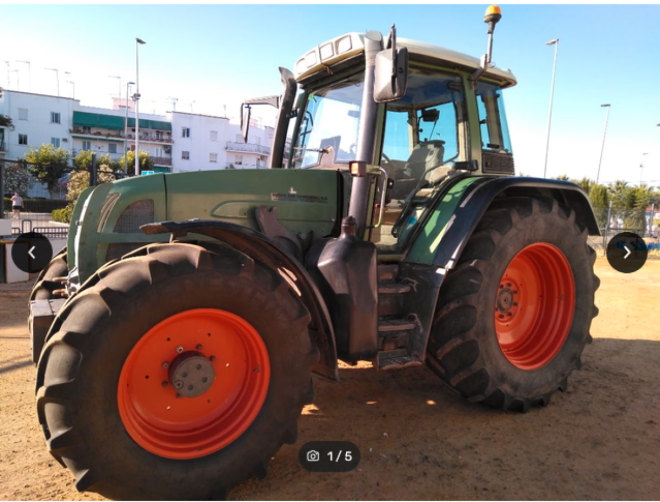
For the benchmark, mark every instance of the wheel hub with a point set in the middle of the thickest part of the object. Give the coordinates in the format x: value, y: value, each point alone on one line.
x: 191, y: 374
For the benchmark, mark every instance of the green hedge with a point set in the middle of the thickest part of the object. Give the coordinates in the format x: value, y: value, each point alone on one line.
x: 38, y: 205
x: 63, y: 215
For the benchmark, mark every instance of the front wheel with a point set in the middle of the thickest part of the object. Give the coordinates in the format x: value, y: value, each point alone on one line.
x: 513, y: 317
x: 177, y: 375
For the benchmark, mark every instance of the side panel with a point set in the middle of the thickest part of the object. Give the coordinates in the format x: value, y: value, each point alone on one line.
x: 306, y: 200
x: 447, y: 230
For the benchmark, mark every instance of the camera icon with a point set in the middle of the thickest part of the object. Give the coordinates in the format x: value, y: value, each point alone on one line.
x: 313, y: 456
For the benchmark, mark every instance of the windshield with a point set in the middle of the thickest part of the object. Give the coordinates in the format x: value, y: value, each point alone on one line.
x: 329, y: 125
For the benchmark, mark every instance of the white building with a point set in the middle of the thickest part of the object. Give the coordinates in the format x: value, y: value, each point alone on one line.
x: 177, y: 141
x: 204, y: 142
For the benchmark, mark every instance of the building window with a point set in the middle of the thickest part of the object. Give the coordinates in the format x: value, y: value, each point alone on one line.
x: 239, y: 160
x: 55, y: 142
x: 112, y: 147
x: 22, y: 114
x: 87, y: 130
x: 185, y: 155
x: 55, y: 117
x: 160, y: 136
x: 185, y: 132
x: 87, y: 145
x: 22, y: 139
x: 214, y: 135
x: 213, y: 157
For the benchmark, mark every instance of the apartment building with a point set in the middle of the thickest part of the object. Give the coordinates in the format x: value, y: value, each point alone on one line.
x: 204, y: 142
x: 177, y: 141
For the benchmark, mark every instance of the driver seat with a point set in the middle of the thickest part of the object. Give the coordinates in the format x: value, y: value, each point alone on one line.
x: 425, y: 156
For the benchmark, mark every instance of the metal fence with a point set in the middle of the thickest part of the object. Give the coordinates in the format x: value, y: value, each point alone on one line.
x: 612, y: 221
x: 34, y: 217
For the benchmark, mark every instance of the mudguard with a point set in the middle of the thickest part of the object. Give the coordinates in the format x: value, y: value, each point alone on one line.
x: 264, y: 249
x: 440, y: 239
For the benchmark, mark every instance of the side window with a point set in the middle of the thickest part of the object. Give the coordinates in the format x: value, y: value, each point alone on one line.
x: 492, y: 118
x: 425, y: 131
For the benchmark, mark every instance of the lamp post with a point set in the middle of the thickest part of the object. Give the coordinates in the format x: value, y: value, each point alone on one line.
x: 641, y: 167
x: 73, y: 85
x: 119, y: 80
x: 57, y: 76
x: 18, y: 80
x: 607, y: 116
x: 554, y: 42
x: 128, y: 84
x: 29, y: 74
x: 136, y: 97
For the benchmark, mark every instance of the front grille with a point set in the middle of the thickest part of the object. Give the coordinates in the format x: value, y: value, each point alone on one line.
x: 137, y: 214
x: 497, y: 163
x: 117, y: 250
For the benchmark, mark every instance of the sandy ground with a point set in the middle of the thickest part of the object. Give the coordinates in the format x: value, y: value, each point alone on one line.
x: 599, y: 440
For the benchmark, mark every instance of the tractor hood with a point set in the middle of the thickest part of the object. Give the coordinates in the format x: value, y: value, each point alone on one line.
x: 106, y: 221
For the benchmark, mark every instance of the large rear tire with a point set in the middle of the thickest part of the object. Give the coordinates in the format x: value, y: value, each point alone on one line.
x: 109, y: 406
x: 45, y: 284
x: 513, y: 317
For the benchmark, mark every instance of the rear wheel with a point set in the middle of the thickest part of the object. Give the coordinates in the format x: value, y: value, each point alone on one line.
x: 513, y: 317
x: 177, y: 375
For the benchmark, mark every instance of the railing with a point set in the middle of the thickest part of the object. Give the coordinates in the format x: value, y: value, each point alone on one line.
x: 162, y: 161
x: 99, y: 134
x: 247, y: 147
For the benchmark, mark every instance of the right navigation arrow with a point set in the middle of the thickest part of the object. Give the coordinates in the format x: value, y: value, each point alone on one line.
x: 628, y: 253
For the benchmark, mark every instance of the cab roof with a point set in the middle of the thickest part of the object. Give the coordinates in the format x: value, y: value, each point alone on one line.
x: 350, y: 45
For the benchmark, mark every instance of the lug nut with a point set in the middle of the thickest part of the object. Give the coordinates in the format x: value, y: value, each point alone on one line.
x: 204, y: 380
x: 515, y: 292
x: 508, y: 284
x: 184, y: 375
x: 510, y: 314
x: 212, y: 358
x: 199, y: 366
x: 178, y: 384
x: 515, y: 304
x: 179, y: 349
x: 164, y: 384
x: 501, y: 316
x: 165, y: 366
x: 199, y: 347
x: 190, y: 387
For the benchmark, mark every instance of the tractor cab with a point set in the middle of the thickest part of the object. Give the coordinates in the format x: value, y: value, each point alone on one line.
x: 444, y: 125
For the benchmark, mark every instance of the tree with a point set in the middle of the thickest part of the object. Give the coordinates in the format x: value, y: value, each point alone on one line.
x: 48, y: 165
x: 17, y: 179
x: 146, y: 162
x: 6, y: 121
x: 600, y: 201
x: 585, y: 184
x: 562, y: 177
x: 79, y: 180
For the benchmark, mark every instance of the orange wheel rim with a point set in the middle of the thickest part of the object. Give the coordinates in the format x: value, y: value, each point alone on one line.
x: 534, y: 306
x: 193, y: 383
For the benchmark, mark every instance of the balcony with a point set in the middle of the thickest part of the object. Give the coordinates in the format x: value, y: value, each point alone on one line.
x: 3, y: 147
x: 233, y: 146
x: 162, y: 161
x: 78, y: 132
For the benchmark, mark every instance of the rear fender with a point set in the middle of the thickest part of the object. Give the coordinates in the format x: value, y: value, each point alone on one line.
x: 440, y: 244
x: 260, y: 247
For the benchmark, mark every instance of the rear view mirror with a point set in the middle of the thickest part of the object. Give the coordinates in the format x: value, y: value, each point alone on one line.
x: 391, y: 72
x: 246, y: 112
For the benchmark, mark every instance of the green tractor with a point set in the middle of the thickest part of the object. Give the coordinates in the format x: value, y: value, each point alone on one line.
x: 389, y: 228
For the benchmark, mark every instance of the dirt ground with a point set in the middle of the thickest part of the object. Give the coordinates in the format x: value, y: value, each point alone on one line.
x: 599, y: 440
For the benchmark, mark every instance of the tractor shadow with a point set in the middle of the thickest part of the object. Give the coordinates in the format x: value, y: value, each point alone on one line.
x: 419, y: 440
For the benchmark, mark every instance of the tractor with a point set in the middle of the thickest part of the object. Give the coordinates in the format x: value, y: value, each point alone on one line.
x: 177, y: 334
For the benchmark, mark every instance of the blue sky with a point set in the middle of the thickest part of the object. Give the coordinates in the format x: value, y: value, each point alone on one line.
x: 215, y: 55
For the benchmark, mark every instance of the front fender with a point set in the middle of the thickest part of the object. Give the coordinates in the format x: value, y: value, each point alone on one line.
x: 444, y: 234
x: 260, y: 247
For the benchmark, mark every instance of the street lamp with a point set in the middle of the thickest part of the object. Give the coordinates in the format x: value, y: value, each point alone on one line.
x: 29, y: 74
x: 554, y: 42
x: 18, y: 80
x: 119, y: 79
x: 136, y: 97
x: 641, y: 167
x: 128, y: 84
x: 73, y: 85
x: 57, y: 76
x: 603, y: 145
